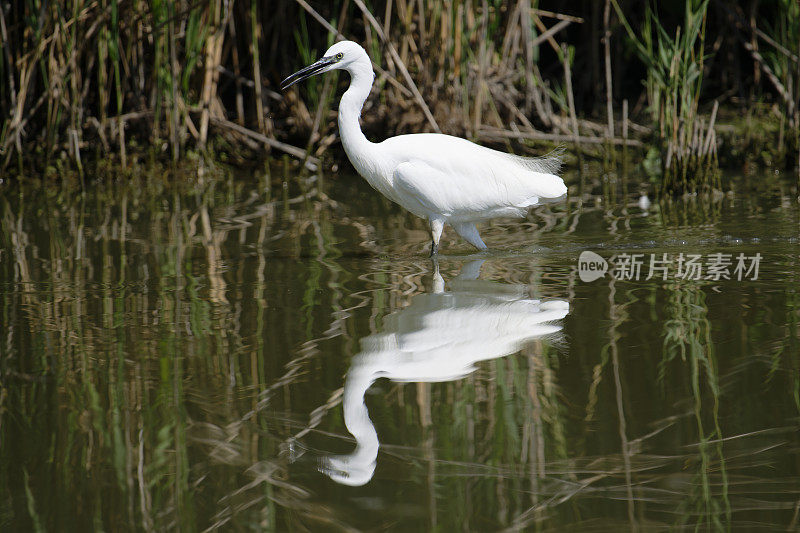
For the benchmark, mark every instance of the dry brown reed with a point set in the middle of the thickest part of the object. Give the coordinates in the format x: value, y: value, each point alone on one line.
x: 83, y: 80
x: 87, y: 77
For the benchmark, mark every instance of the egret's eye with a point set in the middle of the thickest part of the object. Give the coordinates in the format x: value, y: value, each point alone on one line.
x: 339, y: 56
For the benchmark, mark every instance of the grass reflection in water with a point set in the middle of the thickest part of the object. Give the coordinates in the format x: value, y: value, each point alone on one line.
x: 178, y: 358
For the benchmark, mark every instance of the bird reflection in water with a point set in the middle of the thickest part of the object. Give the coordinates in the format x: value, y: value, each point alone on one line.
x: 439, y: 337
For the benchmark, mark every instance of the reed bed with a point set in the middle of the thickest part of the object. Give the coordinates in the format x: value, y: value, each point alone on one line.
x: 774, y: 47
x: 675, y: 69
x: 92, y: 79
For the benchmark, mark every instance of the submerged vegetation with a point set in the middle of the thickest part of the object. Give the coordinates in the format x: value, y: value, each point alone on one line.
x: 84, y: 80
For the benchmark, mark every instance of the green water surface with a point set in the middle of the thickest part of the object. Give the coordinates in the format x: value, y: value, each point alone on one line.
x: 203, y: 356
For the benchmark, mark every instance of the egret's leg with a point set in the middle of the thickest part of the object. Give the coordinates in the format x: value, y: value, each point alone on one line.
x: 470, y: 234
x: 437, y: 225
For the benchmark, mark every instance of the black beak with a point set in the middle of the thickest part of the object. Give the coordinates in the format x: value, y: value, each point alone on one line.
x: 307, y: 72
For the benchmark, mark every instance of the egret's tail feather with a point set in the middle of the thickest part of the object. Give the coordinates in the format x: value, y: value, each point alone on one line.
x: 549, y: 163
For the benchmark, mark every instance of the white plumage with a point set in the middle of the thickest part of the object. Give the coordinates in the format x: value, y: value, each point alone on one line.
x: 444, y: 179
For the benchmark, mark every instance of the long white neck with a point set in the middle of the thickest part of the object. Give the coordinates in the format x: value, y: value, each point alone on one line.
x: 356, y: 145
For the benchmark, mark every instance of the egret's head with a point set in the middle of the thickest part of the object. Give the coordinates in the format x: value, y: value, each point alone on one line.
x: 338, y: 56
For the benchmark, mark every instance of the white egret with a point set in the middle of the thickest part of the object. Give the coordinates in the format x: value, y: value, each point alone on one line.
x: 443, y: 179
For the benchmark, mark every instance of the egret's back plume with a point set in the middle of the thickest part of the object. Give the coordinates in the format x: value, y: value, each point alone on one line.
x: 443, y: 179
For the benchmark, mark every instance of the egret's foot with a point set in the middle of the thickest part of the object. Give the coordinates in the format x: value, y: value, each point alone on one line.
x: 469, y: 233
x: 434, y: 249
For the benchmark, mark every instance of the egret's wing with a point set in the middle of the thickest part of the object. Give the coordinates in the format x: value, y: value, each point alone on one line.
x: 421, y: 183
x: 454, y: 192
x: 454, y: 177
x: 501, y: 179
